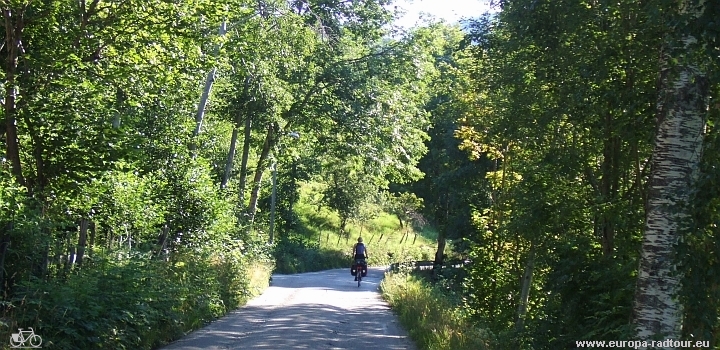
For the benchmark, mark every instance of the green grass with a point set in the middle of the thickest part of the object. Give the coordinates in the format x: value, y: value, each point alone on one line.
x: 434, y: 320
x: 324, y: 248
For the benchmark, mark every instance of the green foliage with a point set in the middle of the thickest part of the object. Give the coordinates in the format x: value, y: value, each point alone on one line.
x: 563, y: 121
x: 114, y: 232
x: 129, y: 204
x: 432, y: 316
x: 128, y: 300
x: 587, y: 297
x: 406, y: 206
x: 347, y: 190
x: 295, y: 255
x: 315, y: 244
x: 524, y: 142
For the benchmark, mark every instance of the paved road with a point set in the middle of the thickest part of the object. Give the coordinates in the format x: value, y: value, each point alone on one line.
x: 318, y: 310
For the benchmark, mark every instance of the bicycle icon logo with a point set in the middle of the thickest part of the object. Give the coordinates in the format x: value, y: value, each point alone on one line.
x: 18, y: 340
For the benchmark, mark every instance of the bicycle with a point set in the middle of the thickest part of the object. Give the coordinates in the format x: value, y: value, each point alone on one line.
x: 360, y: 268
x: 18, y: 339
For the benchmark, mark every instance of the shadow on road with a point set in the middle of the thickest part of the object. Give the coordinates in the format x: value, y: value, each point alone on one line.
x: 302, y: 326
x: 320, y: 310
x: 337, y: 279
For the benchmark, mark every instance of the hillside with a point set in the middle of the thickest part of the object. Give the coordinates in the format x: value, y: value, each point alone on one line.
x: 316, y: 242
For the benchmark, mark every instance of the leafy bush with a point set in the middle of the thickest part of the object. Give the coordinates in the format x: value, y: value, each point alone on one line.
x: 587, y: 298
x: 130, y: 301
x: 295, y: 255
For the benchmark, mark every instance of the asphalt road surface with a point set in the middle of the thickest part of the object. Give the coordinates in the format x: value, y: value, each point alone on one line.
x: 317, y: 310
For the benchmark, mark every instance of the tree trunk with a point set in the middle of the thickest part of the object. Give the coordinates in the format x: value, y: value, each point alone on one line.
x: 233, y: 142
x: 40, y: 179
x: 252, y: 208
x: 92, y: 238
x: 229, y: 160
x: 162, y: 241
x: 70, y: 250
x: 273, y: 196
x: 440, y: 252
x: 608, y: 186
x: 525, y: 290
x: 4, y: 244
x: 14, y: 26
x: 57, y: 257
x: 82, y: 241
x: 119, y: 100
x: 343, y: 223
x: 204, y: 98
x: 108, y: 238
x: 681, y: 109
x: 43, y: 271
x: 244, y: 161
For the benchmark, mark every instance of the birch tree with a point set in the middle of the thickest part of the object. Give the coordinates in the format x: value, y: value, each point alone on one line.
x: 681, y: 111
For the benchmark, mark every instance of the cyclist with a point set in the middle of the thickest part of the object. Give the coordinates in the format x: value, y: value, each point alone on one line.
x: 359, y: 254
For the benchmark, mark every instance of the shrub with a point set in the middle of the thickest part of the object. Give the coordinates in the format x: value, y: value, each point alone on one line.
x: 131, y: 301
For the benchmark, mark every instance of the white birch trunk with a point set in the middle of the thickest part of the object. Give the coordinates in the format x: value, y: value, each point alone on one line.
x: 209, y: 81
x: 229, y: 160
x: 682, y: 107
x: 244, y: 162
x: 525, y: 285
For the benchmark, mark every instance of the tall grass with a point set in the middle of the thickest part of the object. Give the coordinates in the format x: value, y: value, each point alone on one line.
x: 434, y: 321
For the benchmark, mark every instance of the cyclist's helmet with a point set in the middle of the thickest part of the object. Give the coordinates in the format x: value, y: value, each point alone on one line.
x: 359, y: 239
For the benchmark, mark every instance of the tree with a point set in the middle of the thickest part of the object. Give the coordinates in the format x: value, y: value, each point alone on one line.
x: 404, y: 205
x: 564, y: 113
x: 348, y: 188
x: 682, y: 110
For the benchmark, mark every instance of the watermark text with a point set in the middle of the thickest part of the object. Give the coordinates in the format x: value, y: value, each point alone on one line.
x: 643, y: 344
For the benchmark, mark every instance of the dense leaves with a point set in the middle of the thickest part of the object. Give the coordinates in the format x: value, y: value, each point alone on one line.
x: 139, y: 135
x: 123, y: 121
x: 539, y: 165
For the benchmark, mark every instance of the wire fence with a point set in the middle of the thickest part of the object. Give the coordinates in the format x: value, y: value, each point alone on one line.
x: 425, y: 265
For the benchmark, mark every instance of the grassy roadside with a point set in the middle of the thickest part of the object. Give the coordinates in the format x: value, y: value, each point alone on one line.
x: 433, y: 319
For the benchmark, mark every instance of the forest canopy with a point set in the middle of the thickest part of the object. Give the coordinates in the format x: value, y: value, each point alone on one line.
x: 566, y: 151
